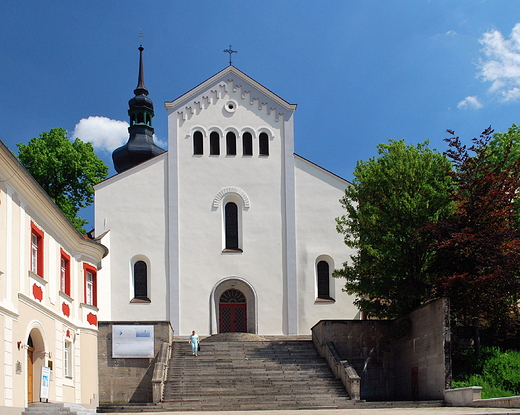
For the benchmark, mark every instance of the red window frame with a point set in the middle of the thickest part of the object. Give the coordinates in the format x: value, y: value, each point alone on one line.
x: 65, y: 285
x: 89, y: 268
x: 39, y: 246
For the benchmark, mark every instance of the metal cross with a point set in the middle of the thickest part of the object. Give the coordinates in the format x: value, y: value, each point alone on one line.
x: 141, y: 36
x: 230, y: 51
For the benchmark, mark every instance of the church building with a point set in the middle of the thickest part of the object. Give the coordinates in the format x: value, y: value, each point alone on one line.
x: 227, y: 231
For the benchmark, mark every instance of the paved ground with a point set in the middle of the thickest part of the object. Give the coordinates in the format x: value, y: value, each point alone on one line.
x: 382, y: 411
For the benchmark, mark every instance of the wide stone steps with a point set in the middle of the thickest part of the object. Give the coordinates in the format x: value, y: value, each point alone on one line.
x: 251, y: 375
x: 48, y: 408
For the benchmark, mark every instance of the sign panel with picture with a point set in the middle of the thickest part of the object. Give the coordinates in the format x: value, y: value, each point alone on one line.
x: 135, y: 341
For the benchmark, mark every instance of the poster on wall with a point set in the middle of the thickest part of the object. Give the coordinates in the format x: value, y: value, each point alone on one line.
x: 44, y: 387
x: 134, y: 341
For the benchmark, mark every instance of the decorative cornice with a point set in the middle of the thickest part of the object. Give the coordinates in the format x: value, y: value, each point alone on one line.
x: 229, y: 81
x: 7, y: 312
x: 46, y: 311
x: 234, y: 190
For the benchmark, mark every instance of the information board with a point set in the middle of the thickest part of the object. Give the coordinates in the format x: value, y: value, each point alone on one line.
x: 44, y: 387
x: 135, y: 341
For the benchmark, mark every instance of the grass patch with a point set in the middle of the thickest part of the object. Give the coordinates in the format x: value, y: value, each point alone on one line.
x: 496, y: 371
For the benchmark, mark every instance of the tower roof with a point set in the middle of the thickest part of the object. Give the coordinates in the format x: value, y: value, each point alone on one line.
x: 140, y: 146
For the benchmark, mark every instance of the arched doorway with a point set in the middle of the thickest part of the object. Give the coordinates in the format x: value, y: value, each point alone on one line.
x: 232, y: 312
x: 35, y: 362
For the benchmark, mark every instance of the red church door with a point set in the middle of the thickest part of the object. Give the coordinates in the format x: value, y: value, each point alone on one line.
x: 233, y: 312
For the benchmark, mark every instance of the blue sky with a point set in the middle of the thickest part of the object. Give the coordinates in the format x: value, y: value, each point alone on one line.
x: 361, y: 72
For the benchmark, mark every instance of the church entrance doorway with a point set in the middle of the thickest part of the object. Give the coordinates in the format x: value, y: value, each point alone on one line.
x: 232, y: 312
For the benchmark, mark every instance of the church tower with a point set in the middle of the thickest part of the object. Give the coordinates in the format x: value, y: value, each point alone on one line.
x: 140, y: 146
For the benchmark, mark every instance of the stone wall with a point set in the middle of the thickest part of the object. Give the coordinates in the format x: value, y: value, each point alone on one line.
x: 403, y: 359
x: 422, y: 358
x: 128, y: 379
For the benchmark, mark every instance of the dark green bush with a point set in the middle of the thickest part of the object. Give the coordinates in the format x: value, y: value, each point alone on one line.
x: 497, y: 372
x: 504, y: 370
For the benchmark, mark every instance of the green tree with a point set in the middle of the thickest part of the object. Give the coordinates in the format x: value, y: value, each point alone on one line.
x: 478, y: 248
x: 391, y: 198
x: 66, y: 170
x: 500, y: 145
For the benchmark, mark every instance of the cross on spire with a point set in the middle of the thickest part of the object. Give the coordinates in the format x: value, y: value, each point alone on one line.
x: 141, y: 36
x: 230, y: 51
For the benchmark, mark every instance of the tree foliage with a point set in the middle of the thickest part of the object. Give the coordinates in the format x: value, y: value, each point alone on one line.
x: 391, y: 198
x: 66, y: 170
x: 503, y: 144
x: 478, y: 248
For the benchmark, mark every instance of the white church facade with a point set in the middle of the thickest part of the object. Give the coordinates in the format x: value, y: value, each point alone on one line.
x: 228, y: 230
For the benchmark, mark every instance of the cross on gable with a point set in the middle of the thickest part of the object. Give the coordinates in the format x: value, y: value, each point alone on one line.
x: 230, y: 51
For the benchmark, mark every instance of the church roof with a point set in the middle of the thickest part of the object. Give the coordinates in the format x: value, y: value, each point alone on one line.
x: 229, y: 70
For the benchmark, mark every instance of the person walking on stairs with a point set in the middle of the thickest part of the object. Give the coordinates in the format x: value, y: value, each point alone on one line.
x: 194, y: 340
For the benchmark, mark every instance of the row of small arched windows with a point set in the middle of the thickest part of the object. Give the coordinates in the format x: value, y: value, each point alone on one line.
x: 231, y: 144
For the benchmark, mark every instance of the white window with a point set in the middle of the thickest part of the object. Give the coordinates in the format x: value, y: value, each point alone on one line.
x: 63, y: 274
x: 90, y: 288
x: 34, y: 253
x: 67, y: 359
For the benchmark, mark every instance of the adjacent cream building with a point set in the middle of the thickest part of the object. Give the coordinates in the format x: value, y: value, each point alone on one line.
x: 48, y: 298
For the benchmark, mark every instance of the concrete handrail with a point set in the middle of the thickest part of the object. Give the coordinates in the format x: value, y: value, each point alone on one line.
x: 342, y: 368
x: 160, y: 372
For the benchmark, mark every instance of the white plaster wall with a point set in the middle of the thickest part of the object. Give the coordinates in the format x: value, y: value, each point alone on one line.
x: 132, y: 207
x: 201, y: 260
x: 317, y: 205
x: 23, y: 202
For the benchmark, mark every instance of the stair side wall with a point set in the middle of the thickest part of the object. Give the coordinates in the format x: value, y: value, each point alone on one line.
x: 124, y: 380
x: 404, y: 359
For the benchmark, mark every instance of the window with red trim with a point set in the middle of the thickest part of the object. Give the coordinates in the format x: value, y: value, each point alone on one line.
x: 64, y: 272
x: 36, y: 250
x: 90, y: 285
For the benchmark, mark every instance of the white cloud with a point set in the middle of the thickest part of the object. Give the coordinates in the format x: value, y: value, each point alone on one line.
x: 470, y: 102
x: 104, y: 134
x: 501, y: 66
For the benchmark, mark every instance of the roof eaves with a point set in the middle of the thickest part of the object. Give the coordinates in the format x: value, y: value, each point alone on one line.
x: 229, y: 69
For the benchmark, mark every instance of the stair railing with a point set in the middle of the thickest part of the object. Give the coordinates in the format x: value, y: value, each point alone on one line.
x: 342, y: 369
x: 160, y: 372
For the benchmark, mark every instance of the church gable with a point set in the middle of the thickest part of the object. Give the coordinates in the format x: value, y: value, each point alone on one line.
x: 228, y: 90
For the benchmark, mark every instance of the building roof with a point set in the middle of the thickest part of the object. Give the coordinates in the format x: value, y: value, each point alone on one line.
x: 33, y: 193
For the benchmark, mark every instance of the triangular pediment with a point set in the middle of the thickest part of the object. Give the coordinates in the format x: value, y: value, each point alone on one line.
x: 229, y: 80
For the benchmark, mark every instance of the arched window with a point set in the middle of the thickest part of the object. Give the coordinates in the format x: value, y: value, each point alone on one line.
x: 231, y: 226
x: 247, y: 144
x: 322, y: 269
x: 264, y: 144
x: 141, y: 281
x: 214, y: 144
x: 231, y: 144
x: 198, y: 148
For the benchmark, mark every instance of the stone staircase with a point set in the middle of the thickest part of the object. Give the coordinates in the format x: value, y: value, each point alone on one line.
x: 57, y: 409
x: 248, y: 372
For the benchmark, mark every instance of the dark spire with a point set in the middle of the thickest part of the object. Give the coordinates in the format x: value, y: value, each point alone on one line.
x: 141, y: 89
x: 140, y: 146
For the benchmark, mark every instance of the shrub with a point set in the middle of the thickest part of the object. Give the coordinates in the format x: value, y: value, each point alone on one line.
x: 488, y: 390
x: 498, y: 373
x: 504, y: 370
